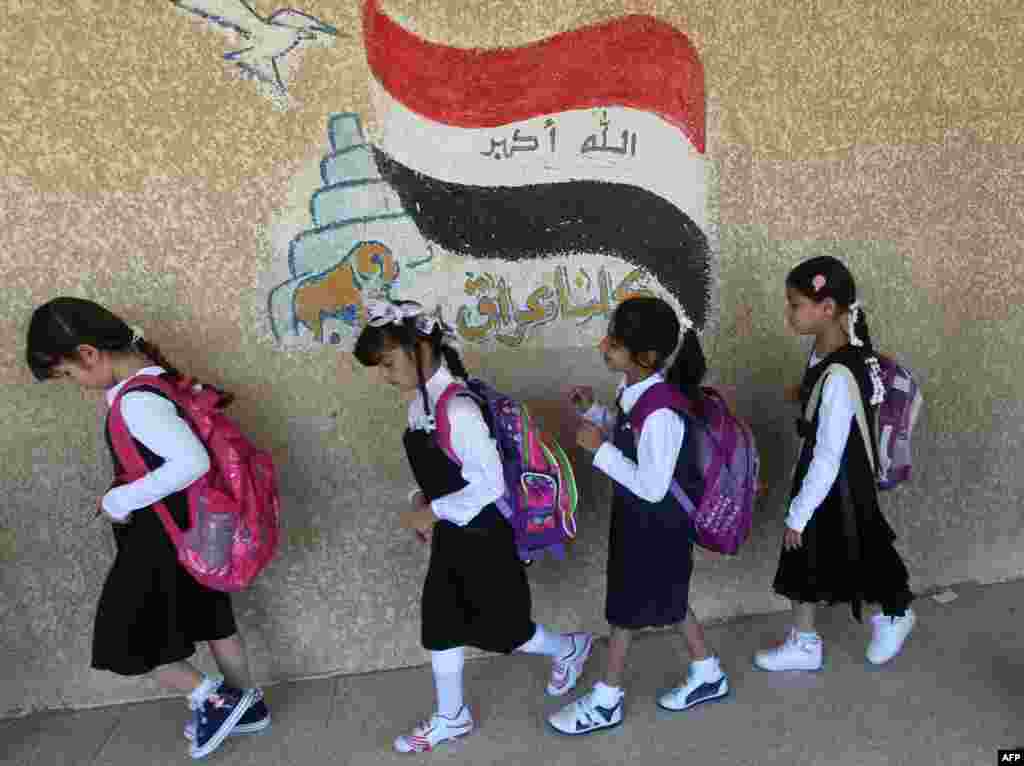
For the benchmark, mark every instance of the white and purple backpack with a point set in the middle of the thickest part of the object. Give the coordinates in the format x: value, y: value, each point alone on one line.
x: 540, y: 486
x: 727, y: 461
x: 894, y: 419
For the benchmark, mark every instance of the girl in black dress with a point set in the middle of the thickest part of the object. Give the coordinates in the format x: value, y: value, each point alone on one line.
x: 837, y: 546
x: 151, y: 612
x: 476, y: 592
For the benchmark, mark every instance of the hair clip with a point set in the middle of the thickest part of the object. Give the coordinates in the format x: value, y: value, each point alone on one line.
x: 818, y: 282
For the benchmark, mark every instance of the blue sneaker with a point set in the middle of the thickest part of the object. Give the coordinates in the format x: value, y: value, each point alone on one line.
x: 217, y: 716
x: 256, y: 719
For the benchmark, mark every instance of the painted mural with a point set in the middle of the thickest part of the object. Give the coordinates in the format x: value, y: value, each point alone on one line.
x: 266, y: 40
x: 523, y: 191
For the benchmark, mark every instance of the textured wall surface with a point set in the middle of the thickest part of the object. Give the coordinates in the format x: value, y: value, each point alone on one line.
x: 143, y: 170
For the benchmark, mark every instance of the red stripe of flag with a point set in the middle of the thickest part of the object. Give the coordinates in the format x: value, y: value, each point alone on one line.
x: 633, y: 61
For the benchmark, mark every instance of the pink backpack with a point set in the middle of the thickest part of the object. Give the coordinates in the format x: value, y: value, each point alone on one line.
x: 234, y: 508
x: 727, y: 461
x: 540, y: 486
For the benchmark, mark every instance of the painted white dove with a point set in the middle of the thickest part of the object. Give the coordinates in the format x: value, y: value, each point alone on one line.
x: 267, y: 39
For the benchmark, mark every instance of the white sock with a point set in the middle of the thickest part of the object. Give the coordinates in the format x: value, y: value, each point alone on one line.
x: 447, y: 667
x: 605, y: 695
x: 207, y: 686
x: 707, y: 668
x: 558, y: 645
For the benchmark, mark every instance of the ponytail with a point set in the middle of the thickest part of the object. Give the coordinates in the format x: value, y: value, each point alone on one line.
x: 860, y: 330
x: 453, y: 361
x: 689, y: 367
x: 152, y: 352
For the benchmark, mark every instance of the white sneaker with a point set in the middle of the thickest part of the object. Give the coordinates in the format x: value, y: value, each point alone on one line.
x: 438, y: 729
x: 585, y: 715
x: 700, y: 687
x: 566, y: 672
x: 795, y: 654
x: 888, y: 635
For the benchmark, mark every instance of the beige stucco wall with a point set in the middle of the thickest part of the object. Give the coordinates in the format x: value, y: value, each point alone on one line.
x: 141, y: 171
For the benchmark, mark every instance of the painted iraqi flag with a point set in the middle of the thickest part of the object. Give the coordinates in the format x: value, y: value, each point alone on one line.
x: 591, y: 141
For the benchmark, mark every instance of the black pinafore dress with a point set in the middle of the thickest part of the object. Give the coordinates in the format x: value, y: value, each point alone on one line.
x: 151, y: 611
x: 476, y: 592
x: 650, y: 547
x: 847, y: 553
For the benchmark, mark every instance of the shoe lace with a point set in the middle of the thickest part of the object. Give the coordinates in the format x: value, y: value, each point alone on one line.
x: 423, y: 727
x: 562, y: 664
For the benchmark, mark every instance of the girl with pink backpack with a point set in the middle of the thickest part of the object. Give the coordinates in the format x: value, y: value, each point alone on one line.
x: 646, y: 450
x: 151, y: 611
x: 837, y: 546
x: 476, y: 592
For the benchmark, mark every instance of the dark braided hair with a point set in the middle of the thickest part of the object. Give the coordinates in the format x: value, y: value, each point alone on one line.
x: 59, y: 327
x: 375, y: 341
x: 651, y: 324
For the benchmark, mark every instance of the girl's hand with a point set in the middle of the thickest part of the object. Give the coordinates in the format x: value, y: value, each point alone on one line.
x: 421, y: 518
x: 791, y: 540
x: 582, y: 397
x: 590, y: 437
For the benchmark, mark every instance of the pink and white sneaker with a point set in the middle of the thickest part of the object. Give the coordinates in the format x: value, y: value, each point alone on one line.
x: 566, y: 671
x: 438, y: 729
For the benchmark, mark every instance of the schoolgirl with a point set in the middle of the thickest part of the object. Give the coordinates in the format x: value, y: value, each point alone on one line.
x: 151, y: 612
x: 650, y: 543
x: 837, y: 546
x: 476, y: 591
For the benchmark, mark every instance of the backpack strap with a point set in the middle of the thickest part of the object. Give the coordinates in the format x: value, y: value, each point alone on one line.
x: 444, y: 424
x: 663, y: 395
x: 860, y: 415
x: 124, y: 443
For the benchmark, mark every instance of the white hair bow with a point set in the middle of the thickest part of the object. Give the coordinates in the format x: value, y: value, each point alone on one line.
x: 380, y: 313
x: 427, y: 323
x: 854, y: 313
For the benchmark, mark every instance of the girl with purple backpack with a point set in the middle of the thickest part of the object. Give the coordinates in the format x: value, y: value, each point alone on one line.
x: 151, y: 611
x: 476, y: 591
x: 837, y: 546
x: 651, y: 539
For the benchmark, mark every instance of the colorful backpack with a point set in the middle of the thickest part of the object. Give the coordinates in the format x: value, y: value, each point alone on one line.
x: 540, y: 486
x: 894, y: 419
x: 727, y: 460
x: 234, y: 508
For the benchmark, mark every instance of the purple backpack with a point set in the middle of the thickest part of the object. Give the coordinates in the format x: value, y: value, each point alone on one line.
x: 894, y: 419
x: 540, y: 486
x: 727, y: 460
x: 894, y: 422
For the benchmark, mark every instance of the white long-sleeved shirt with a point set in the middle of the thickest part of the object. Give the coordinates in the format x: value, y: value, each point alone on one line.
x: 472, y: 443
x: 835, y: 420
x: 661, y: 439
x: 154, y: 421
